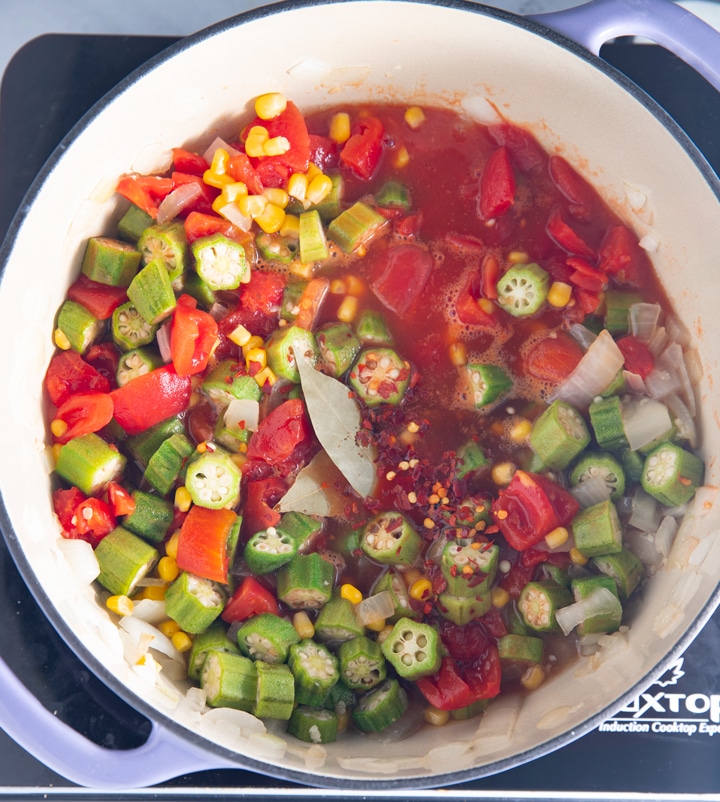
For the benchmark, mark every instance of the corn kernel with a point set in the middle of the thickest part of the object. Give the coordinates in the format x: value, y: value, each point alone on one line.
x: 303, y: 269
x: 337, y: 286
x: 182, y: 499
x: 55, y: 451
x: 355, y: 285
x: 169, y: 627
x: 312, y: 171
x: 319, y: 188
x: 412, y: 497
x: 376, y: 626
x: 58, y: 427
x: 557, y: 537
x: 153, y: 592
x: 303, y: 625
x: 271, y: 218
x: 60, y: 339
x: 428, y: 523
x: 297, y: 186
x: 436, y: 717
x: 420, y: 589
x: 502, y: 473
x: 171, y: 547
x: 240, y: 335
x: 384, y: 633
x: 414, y: 117
x: 252, y: 205
x: 253, y: 342
x: 340, y: 127
x: 220, y: 161
x: 276, y: 146
x: 270, y: 105
x: 559, y: 294
x: 402, y: 157
x: 533, y: 678
x: 520, y: 432
x: 351, y: 593
x: 458, y: 354
x: 577, y: 557
x: 240, y: 458
x: 182, y: 641
x: 348, y: 309
x: 167, y: 569
x: 277, y: 196
x: 343, y: 721
x: 499, y: 597
x: 121, y: 605
x: 518, y: 257
x: 265, y: 375
x: 218, y: 180
x: 256, y: 355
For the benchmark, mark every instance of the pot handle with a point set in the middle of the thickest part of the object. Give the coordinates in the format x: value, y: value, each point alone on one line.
x: 162, y: 757
x: 662, y: 21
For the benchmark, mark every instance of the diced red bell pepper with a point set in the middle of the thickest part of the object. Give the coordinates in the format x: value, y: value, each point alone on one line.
x: 638, y: 357
x: 569, y: 240
x: 65, y: 502
x: 280, y: 433
x: 145, y: 191
x: 261, y: 495
x: 84, y: 413
x: 193, y: 334
x: 497, y: 186
x: 468, y: 307
x: 362, y: 152
x: 94, y: 519
x: 184, y: 161
x: 553, y: 359
x: 198, y: 225
x: 589, y: 301
x: 621, y: 256
x: 120, y: 500
x: 251, y: 598
x: 489, y: 275
x: 68, y: 373
x: 99, y: 299
x: 523, y: 147
x: 151, y: 398
x: 203, y: 542
x: 407, y: 269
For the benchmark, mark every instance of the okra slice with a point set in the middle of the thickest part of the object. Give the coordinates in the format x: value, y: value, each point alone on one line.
x: 268, y: 550
x: 392, y: 581
x: 356, y: 226
x: 413, y: 649
x: 463, y: 609
x: 275, y: 248
x: 470, y: 458
x: 306, y: 582
x: 110, y: 261
x: 671, y: 474
x: 538, y: 603
x: 338, y: 346
x: 372, y: 329
x: 282, y: 346
x: 487, y: 383
x: 124, y: 560
x: 523, y: 289
x: 167, y: 463
x: 524, y: 649
x: 137, y: 362
x: 233, y: 438
x: 381, y: 707
x: 130, y: 330
x: 88, y: 462
x: 312, y: 725
x: 221, y: 262
x: 470, y: 711
x: 267, y: 637
x: 617, y: 307
x: 213, y: 480
x: 167, y: 243
x: 151, y: 518
x: 393, y: 193
x: 133, y: 223
x: 624, y: 568
x: 559, y: 435
x: 191, y: 284
x: 152, y: 294
x: 80, y: 327
x: 275, y: 696
x: 341, y: 699
x: 312, y: 242
x: 380, y: 376
x: 316, y: 672
x: 336, y: 622
x: 610, y: 621
x: 142, y: 446
x: 596, y: 464
x: 214, y: 638
x: 331, y: 205
x: 300, y: 527
x: 391, y: 539
x: 362, y: 663
x: 229, y: 381
x: 194, y: 602
x: 607, y: 424
x: 469, y: 567
x: 597, y: 530
x: 229, y: 680
x: 292, y: 293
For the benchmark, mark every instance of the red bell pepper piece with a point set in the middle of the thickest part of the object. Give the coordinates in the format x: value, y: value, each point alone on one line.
x: 184, y: 161
x: 489, y: 275
x: 203, y: 542
x: 68, y: 373
x: 99, y: 299
x: 638, y: 357
x: 251, y: 598
x: 121, y: 502
x: 84, y: 413
x: 586, y: 276
x: 362, y: 152
x: 564, y: 236
x: 589, y: 301
x: 94, y: 519
x: 553, y: 359
x: 193, y: 334
x: 621, y: 256
x: 280, y: 433
x: 151, y: 398
x: 145, y: 191
x: 261, y: 495
x: 497, y: 186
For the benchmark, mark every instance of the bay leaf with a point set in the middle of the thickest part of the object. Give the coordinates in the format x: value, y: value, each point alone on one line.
x: 336, y: 419
x: 317, y: 490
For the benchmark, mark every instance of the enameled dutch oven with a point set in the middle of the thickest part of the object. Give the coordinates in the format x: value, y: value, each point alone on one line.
x: 471, y: 57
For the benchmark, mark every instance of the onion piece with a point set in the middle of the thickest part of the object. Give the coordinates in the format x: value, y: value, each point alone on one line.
x: 600, y: 602
x: 682, y: 418
x: 634, y: 382
x: 665, y: 535
x: 645, y: 514
x: 163, y: 341
x: 244, y: 410
x: 673, y: 359
x: 142, y: 631
x: 591, y: 491
x: 582, y: 335
x: 644, y: 420
x: 233, y: 215
x: 593, y: 373
x: 661, y: 383
x: 644, y: 319
x: 375, y: 608
x: 659, y: 340
x: 218, y: 142
x: 178, y: 200
x: 82, y: 560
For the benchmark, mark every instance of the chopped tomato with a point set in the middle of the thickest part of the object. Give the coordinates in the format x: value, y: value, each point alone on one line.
x: 589, y: 301
x: 198, y: 224
x: 489, y: 273
x: 251, y: 598
x: 463, y: 642
x: 99, y: 299
x: 362, y: 152
x: 241, y: 169
x: 323, y: 152
x: 151, y: 398
x: 94, y: 519
x: 192, y: 337
x: 203, y: 542
x: 145, y: 191
x: 580, y: 194
x: 84, y: 413
x: 104, y: 358
x: 407, y: 269
x: 65, y: 502
x: 638, y: 357
x: 564, y: 236
x: 261, y: 495
x: 470, y: 308
x: 120, y: 500
x: 553, y: 359
x: 407, y: 226
x: 586, y: 276
x: 68, y: 373
x: 203, y: 203
x: 621, y: 256
x: 290, y: 124
x: 455, y: 686
x: 523, y: 148
x: 263, y: 293
x: 186, y: 162
x: 280, y: 433
x: 497, y: 186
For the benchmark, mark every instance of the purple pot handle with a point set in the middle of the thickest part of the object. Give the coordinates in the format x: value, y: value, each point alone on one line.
x: 162, y: 757
x: 662, y: 21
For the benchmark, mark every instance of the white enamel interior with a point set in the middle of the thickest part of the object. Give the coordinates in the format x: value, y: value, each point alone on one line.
x: 347, y: 52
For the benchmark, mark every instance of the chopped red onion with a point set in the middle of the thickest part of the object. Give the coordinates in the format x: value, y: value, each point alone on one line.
x: 600, y: 602
x: 644, y: 420
x: 644, y: 319
x: 593, y: 374
x: 178, y: 200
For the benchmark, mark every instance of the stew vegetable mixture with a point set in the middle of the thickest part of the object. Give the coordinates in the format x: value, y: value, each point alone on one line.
x: 382, y: 409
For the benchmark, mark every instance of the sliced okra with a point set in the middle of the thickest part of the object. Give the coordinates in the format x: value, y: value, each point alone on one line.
x: 523, y: 289
x: 487, y: 383
x: 267, y: 637
x: 381, y: 707
x: 559, y: 435
x: 608, y: 621
x: 315, y: 669
x: 133, y: 223
x: 596, y: 464
x: 524, y: 649
x: 392, y: 581
x: 124, y: 560
x: 336, y: 621
x: 313, y: 725
x: 413, y: 649
x: 232, y: 438
x: 88, y: 462
x: 214, y: 638
x: 130, y: 330
x: 393, y: 193
x: 229, y: 381
x: 306, y: 582
x: 472, y: 710
x: 671, y: 474
x: 292, y: 293
x: 275, y: 696
x: 312, y: 242
x: 194, y: 602
x: 372, y: 329
x: 617, y: 307
x: 597, y: 530
x: 606, y: 420
x: 331, y: 205
x: 538, y: 603
x: 268, y: 550
x: 213, y: 480
x: 391, y: 539
x: 142, y: 446
x: 338, y: 346
x: 152, y: 294
x: 136, y: 362
x: 167, y: 243
x: 470, y: 458
x: 229, y: 680
x: 463, y: 609
x: 221, y: 262
x: 362, y: 663
x: 275, y: 248
x: 302, y: 528
x: 167, y: 463
x: 110, y: 261
x: 191, y: 284
x: 380, y: 376
x: 341, y: 699
x: 282, y: 346
x: 469, y: 567
x: 355, y: 226
x: 151, y: 517
x: 79, y: 325
x: 623, y: 567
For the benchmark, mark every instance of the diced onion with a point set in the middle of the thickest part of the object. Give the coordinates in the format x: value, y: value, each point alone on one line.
x: 650, y: 242
x: 600, y: 602
x: 591, y: 491
x: 673, y: 359
x: 644, y: 319
x: 634, y: 382
x: 659, y: 340
x: 149, y: 610
x: 231, y: 213
x: 677, y: 331
x: 644, y: 420
x: 582, y: 335
x: 665, y: 535
x: 81, y: 559
x: 594, y: 372
x: 177, y: 200
x: 375, y: 608
x: 219, y: 142
x: 163, y: 341
x: 141, y: 630
x: 683, y: 420
x: 645, y: 514
x: 661, y: 383
x: 243, y: 409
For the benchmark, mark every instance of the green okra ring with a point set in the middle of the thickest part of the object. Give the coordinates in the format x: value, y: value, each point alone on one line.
x: 220, y: 262
x: 306, y: 582
x: 538, y: 603
x: 124, y: 560
x: 559, y: 435
x: 130, y: 330
x: 229, y: 680
x: 391, y: 539
x: 315, y: 669
x: 381, y: 707
x: 413, y: 649
x: 268, y: 550
x: 267, y: 637
x: 313, y: 725
x: 362, y: 663
x: 194, y: 602
x: 213, y: 480
x: 380, y: 376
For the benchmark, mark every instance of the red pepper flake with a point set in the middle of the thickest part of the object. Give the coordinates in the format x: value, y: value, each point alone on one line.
x: 685, y: 481
x: 427, y: 608
x: 492, y: 530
